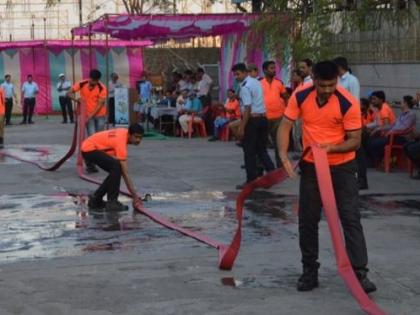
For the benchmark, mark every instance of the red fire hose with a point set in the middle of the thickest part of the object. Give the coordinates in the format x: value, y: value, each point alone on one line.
x: 228, y: 253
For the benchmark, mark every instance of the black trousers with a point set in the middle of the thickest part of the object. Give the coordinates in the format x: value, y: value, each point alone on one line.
x: 9, y: 107
x: 28, y: 109
x: 111, y: 185
x: 66, y: 107
x: 208, y: 119
x: 255, y: 144
x: 346, y: 194
x: 412, y: 150
x: 111, y: 110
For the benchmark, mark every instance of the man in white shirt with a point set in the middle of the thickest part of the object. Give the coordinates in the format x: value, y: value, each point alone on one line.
x: 305, y: 67
x: 9, y: 92
x: 204, y: 83
x: 112, y: 85
x: 29, y: 91
x: 63, y: 86
x: 346, y: 79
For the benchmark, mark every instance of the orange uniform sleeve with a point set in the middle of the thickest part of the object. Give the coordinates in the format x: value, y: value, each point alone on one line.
x: 352, y: 120
x: 292, y: 111
x: 103, y: 94
x: 121, y: 151
x: 76, y: 87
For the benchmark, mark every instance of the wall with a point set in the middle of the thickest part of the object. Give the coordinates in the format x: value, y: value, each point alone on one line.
x: 396, y: 80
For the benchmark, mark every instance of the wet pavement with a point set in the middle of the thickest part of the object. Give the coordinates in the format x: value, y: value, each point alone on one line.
x: 57, y: 257
x: 42, y: 226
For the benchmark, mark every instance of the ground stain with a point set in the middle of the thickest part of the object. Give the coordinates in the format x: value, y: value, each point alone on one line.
x: 39, y: 226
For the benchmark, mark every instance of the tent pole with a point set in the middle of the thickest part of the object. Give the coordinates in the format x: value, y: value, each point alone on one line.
x: 90, y: 47
x: 107, y: 66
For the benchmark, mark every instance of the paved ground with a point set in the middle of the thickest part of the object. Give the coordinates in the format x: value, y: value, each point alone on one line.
x: 57, y: 259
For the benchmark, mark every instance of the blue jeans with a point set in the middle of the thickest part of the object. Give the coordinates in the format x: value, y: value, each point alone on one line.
x: 219, y: 123
x: 95, y: 125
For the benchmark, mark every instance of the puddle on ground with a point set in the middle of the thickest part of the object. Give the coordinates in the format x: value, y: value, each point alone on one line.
x: 34, y: 152
x: 39, y: 226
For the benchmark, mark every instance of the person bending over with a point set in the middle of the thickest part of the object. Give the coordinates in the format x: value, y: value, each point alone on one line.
x: 108, y: 150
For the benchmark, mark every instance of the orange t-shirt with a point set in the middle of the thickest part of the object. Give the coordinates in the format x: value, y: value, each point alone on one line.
x: 2, y: 102
x: 233, y: 105
x: 274, y: 103
x: 368, y: 118
x: 91, y: 96
x: 385, y: 112
x: 113, y: 142
x: 328, y: 123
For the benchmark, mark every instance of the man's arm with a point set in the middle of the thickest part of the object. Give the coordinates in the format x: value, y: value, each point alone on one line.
x: 352, y: 143
x: 101, y: 102
x: 245, y: 117
x: 283, y: 138
x: 128, y: 182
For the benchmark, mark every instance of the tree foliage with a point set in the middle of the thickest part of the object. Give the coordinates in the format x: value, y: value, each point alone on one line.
x: 308, y: 27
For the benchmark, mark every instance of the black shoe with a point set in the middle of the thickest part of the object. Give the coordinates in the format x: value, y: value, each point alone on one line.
x: 23, y: 123
x: 309, y: 279
x: 416, y: 176
x: 367, y: 285
x: 243, y: 167
x: 115, y: 206
x: 64, y: 122
x: 213, y: 139
x: 363, y: 185
x: 90, y: 169
x: 239, y: 144
x: 96, y: 203
x: 1, y: 143
x: 30, y: 122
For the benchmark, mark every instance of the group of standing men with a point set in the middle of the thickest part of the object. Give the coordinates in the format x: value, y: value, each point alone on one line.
x: 331, y: 118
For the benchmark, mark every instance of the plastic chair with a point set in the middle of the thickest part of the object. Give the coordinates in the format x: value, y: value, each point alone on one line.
x: 396, y: 150
x: 199, y: 127
x: 225, y: 133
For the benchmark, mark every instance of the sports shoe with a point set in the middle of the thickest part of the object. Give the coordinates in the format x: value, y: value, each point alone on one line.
x: 115, y: 206
x: 367, y: 285
x: 309, y: 278
x: 90, y: 169
x: 213, y: 139
x: 96, y: 203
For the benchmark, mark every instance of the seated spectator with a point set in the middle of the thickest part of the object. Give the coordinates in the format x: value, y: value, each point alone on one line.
x: 231, y: 113
x: 167, y: 100
x: 405, y: 121
x: 181, y: 100
x: 186, y: 83
x: 383, y: 115
x: 412, y: 150
x: 192, y: 106
x: 367, y: 118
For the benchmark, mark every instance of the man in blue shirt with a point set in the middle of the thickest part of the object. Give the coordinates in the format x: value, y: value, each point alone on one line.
x: 29, y: 91
x: 192, y: 106
x: 9, y: 91
x: 346, y: 79
x: 254, y: 125
x: 145, y: 89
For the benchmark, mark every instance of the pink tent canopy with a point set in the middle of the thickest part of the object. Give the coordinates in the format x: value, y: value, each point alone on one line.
x: 160, y: 27
x: 64, y: 44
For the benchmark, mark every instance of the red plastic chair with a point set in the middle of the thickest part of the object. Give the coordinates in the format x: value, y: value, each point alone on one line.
x: 225, y: 133
x: 199, y: 127
x: 396, y: 150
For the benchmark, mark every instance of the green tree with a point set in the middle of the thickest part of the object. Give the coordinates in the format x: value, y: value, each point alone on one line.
x: 310, y: 27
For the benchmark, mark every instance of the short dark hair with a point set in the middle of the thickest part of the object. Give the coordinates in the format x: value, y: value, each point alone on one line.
x: 231, y: 90
x: 325, y: 70
x: 135, y: 128
x: 29, y: 76
x: 7, y: 76
x: 379, y: 94
x: 409, y: 100
x: 200, y: 70
x: 95, y: 74
x: 364, y: 101
x: 267, y: 63
x: 308, y: 62
x: 342, y: 63
x: 239, y: 67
